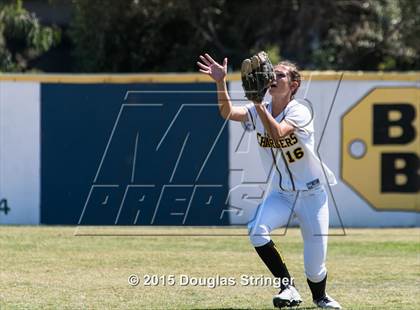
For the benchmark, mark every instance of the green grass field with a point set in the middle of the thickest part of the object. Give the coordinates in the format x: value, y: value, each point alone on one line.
x: 50, y: 268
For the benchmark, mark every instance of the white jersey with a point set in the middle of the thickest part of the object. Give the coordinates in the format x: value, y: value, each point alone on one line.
x: 293, y: 158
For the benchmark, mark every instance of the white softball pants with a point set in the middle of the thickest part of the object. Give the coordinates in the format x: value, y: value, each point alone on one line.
x: 311, y: 211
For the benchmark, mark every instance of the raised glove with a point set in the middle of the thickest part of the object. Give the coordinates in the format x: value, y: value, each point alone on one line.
x: 257, y: 74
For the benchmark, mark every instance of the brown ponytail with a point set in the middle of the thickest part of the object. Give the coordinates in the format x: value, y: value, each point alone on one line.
x: 294, y: 75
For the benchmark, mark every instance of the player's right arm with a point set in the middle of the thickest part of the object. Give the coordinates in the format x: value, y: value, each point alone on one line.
x: 218, y: 73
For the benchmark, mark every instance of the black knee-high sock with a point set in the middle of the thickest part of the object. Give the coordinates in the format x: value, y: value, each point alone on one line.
x: 272, y: 259
x: 318, y: 289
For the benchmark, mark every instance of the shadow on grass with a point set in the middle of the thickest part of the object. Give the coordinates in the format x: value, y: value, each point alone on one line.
x: 296, y: 308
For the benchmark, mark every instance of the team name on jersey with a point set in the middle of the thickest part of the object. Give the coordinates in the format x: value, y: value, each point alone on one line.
x: 266, y: 141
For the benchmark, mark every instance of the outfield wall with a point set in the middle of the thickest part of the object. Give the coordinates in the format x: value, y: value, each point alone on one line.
x: 20, y: 153
x: 152, y: 150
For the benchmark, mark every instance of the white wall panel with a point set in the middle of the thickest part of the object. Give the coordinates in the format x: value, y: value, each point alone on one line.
x: 20, y: 152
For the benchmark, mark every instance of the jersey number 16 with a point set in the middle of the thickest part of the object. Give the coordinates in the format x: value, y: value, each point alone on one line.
x: 295, y: 155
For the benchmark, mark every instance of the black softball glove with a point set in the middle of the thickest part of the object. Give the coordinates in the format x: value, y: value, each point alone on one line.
x: 257, y: 74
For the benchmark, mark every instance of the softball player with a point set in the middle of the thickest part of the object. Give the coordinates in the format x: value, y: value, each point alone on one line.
x: 285, y: 134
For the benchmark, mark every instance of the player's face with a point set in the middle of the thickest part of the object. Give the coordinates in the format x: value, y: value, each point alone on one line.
x: 281, y: 85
